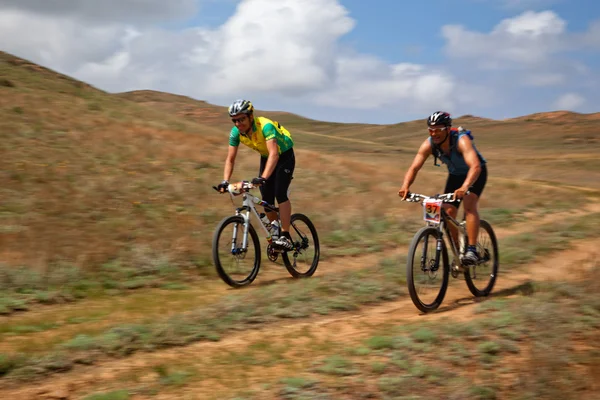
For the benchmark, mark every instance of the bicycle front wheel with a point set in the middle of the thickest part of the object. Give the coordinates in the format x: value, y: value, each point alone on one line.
x: 427, y: 270
x: 237, y: 266
x: 481, y: 278
x: 302, y: 261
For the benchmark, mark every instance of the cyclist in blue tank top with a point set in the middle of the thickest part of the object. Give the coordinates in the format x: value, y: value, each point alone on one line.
x: 467, y: 171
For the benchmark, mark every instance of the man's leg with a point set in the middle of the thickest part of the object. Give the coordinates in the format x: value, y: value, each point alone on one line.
x: 285, y: 170
x: 285, y: 213
x: 452, y: 211
x: 472, y: 216
x: 284, y: 241
x: 452, y: 183
x: 267, y: 190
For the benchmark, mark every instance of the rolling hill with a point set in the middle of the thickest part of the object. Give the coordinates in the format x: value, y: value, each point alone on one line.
x: 106, y: 204
x: 88, y: 176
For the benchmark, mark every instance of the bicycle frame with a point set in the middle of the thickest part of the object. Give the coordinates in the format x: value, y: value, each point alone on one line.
x: 443, y: 226
x: 248, y: 209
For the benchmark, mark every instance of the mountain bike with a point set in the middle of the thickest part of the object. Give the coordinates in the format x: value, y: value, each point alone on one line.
x: 431, y: 267
x: 235, y: 241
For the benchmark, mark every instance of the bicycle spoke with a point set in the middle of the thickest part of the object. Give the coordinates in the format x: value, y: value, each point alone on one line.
x: 236, y: 265
x: 302, y: 261
x: 481, y: 278
x: 427, y: 272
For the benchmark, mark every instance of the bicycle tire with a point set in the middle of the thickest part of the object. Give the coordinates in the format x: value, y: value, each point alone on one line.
x: 217, y: 261
x: 315, y: 244
x: 414, y: 247
x: 486, y: 226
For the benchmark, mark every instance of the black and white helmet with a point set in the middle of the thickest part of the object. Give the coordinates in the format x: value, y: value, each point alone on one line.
x: 439, y: 118
x: 240, y: 107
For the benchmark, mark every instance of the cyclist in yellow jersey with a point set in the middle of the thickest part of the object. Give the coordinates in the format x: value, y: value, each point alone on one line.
x: 277, y: 161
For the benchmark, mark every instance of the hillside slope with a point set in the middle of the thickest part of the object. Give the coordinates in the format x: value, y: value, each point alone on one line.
x: 541, y: 132
x: 86, y: 176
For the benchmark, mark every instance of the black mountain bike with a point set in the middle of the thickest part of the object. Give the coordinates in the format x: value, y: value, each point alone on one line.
x: 428, y: 266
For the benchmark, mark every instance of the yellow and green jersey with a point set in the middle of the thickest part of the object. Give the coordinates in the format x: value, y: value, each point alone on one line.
x: 263, y: 129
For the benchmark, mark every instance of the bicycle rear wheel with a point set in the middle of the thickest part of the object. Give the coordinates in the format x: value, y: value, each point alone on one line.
x: 305, y: 255
x: 481, y: 278
x: 427, y: 278
x: 235, y: 265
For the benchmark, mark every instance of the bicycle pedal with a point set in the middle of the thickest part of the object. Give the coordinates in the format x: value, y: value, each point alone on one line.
x: 458, y: 270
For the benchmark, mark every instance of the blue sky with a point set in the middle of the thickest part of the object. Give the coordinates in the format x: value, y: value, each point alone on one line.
x: 398, y: 30
x: 378, y: 61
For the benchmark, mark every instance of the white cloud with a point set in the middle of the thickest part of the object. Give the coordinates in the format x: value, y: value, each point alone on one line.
x: 524, y: 53
x: 532, y: 25
x: 522, y: 4
x: 529, y: 38
x: 284, y: 48
x: 367, y: 82
x: 111, y: 11
x: 285, y: 45
x: 544, y: 79
x: 569, y: 101
x: 57, y: 42
x: 591, y: 38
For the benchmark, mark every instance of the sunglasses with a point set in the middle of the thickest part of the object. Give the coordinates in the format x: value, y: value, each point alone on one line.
x: 240, y: 119
x: 437, y: 129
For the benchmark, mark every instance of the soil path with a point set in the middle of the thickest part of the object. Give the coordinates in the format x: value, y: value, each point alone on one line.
x: 348, y: 327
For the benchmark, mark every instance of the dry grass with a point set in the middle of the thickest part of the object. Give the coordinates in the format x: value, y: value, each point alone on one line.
x: 91, y: 178
x: 102, y: 194
x: 542, y: 345
x: 85, y: 185
x: 221, y: 315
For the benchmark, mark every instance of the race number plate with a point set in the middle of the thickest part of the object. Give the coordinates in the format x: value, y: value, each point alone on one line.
x: 432, y: 211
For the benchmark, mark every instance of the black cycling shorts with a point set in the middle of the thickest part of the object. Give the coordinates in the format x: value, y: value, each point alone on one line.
x: 276, y: 187
x: 456, y: 181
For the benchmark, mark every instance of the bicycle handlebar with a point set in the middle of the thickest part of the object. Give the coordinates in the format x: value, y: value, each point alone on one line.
x: 237, y: 188
x: 417, y: 198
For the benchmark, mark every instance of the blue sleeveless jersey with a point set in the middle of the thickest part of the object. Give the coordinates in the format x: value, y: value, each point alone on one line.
x: 455, y: 162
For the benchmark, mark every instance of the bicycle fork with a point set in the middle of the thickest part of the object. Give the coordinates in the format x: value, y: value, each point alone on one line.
x: 431, y: 266
x: 235, y: 250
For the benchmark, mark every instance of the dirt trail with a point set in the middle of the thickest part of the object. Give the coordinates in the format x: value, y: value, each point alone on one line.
x: 271, y: 272
x: 347, y: 327
x: 127, y: 309
x: 110, y: 311
x: 530, y: 224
